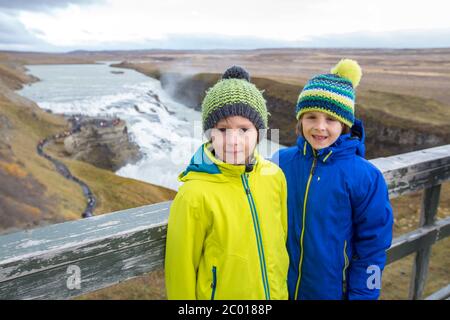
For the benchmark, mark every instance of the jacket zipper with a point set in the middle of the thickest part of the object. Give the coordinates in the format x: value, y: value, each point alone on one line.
x: 344, y: 276
x: 214, y: 282
x: 262, y: 262
x: 300, y: 264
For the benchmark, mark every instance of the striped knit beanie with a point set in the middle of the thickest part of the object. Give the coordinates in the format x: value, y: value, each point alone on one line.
x: 234, y: 95
x: 332, y: 93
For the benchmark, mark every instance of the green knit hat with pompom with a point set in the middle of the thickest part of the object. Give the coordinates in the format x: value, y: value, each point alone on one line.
x: 234, y: 95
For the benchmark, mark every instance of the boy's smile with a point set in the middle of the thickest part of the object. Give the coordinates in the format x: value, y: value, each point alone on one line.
x: 319, y: 138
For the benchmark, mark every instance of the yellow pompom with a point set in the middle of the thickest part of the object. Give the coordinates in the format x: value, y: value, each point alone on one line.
x: 349, y: 69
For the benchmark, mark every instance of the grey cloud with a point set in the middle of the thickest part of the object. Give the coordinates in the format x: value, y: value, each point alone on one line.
x: 398, y: 39
x: 15, y: 36
x: 197, y: 41
x: 12, y: 31
x: 31, y: 5
x: 438, y: 38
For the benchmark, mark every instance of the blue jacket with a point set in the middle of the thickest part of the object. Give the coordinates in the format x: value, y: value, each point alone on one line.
x: 339, y: 219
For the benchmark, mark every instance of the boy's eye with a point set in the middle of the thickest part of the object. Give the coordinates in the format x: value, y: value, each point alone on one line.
x: 222, y: 129
x: 331, y: 119
x: 244, y: 129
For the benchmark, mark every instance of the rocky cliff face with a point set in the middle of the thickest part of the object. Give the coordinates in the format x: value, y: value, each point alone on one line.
x: 387, y: 135
x: 102, y: 142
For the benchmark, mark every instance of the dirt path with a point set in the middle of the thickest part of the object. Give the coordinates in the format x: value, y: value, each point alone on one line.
x: 64, y: 171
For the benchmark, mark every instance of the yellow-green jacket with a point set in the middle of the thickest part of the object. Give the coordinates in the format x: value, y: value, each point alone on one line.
x: 227, y: 228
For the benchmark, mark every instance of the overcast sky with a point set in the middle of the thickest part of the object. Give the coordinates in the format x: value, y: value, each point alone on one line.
x: 64, y: 25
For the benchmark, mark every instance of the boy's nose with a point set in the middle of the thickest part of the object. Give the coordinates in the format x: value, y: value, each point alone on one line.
x: 232, y: 134
x: 320, y: 125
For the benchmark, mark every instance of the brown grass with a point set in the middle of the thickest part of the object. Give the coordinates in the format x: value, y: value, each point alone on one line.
x: 13, y: 169
x: 148, y: 287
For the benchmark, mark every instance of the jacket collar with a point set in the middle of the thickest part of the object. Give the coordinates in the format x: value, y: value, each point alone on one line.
x: 204, y: 161
x: 226, y: 168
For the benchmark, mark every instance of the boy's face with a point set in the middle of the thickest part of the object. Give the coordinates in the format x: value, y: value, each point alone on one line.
x: 234, y: 139
x: 320, y: 129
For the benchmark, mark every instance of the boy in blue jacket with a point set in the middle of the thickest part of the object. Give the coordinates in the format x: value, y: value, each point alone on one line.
x: 339, y: 215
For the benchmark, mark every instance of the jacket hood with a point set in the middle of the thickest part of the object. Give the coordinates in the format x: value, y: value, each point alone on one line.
x: 346, y: 145
x: 205, y: 166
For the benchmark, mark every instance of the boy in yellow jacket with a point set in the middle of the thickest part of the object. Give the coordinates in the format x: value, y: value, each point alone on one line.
x: 227, y: 228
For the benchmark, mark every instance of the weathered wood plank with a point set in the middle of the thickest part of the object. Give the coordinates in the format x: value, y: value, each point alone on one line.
x: 409, y: 243
x: 413, y: 171
x: 33, y: 263
x: 93, y: 273
x: 443, y: 294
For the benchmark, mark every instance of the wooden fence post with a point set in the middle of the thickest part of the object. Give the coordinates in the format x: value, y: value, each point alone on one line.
x: 428, y: 212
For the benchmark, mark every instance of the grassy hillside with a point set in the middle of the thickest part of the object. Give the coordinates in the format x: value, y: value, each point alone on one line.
x: 52, y: 198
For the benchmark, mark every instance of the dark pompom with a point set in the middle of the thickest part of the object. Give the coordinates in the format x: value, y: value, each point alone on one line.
x: 236, y: 72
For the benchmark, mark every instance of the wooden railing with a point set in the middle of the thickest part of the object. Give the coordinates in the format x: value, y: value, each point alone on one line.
x: 66, y: 260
